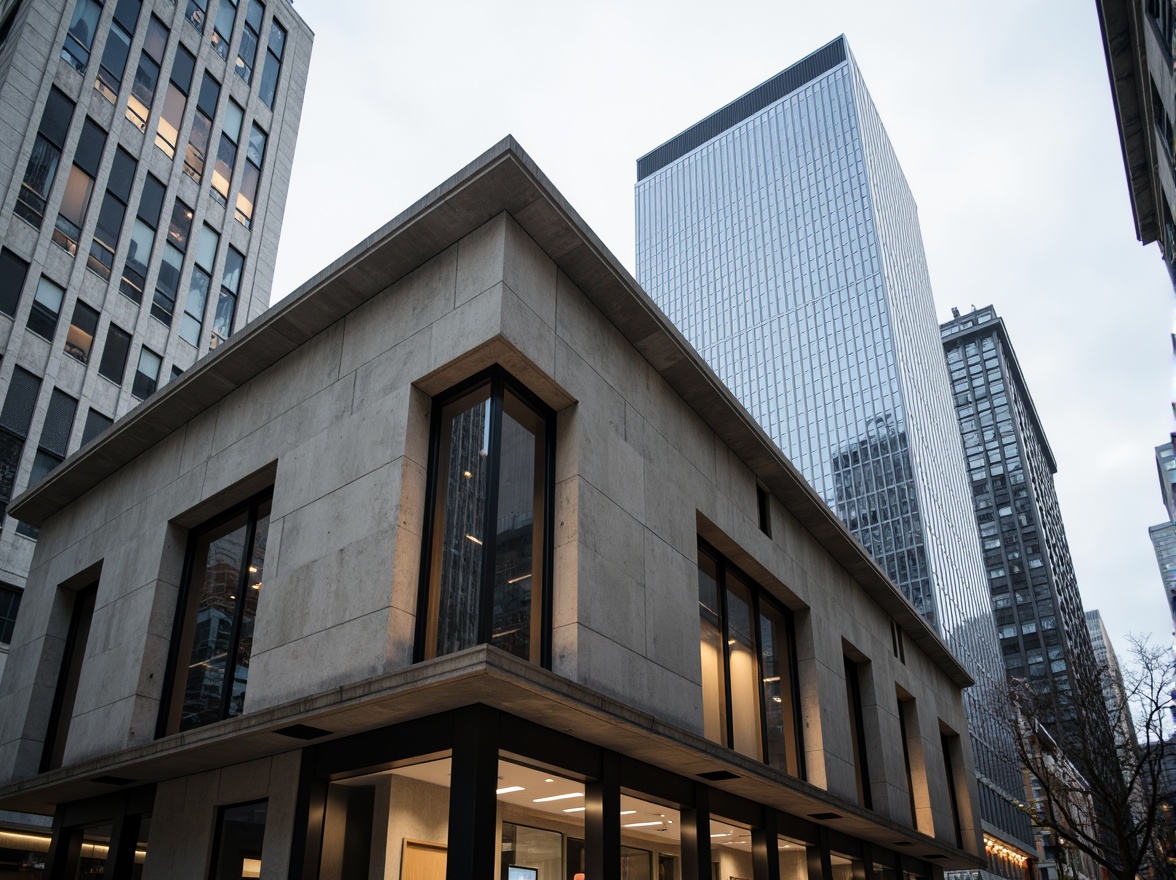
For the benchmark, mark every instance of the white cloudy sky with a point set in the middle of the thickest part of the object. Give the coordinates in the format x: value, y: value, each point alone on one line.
x: 1001, y: 115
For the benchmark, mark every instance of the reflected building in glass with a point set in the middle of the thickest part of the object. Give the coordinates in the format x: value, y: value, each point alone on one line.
x: 781, y: 237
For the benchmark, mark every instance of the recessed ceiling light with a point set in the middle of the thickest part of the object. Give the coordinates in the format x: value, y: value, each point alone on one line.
x: 628, y: 812
x: 643, y: 825
x: 574, y: 810
x: 558, y: 797
x: 509, y: 789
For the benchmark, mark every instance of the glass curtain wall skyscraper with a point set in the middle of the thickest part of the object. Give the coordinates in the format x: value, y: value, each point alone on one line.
x: 145, y: 154
x: 780, y: 235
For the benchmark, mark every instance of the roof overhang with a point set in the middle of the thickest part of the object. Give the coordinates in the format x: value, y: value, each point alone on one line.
x: 502, y: 179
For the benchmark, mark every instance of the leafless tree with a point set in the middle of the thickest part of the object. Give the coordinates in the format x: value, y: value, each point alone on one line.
x: 1095, y: 758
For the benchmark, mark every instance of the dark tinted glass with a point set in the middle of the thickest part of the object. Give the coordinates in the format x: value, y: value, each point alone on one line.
x: 127, y: 14
x: 110, y: 220
x: 80, y: 339
x: 156, y: 40
x: 12, y: 277
x: 255, y: 13
x: 58, y: 423
x: 55, y: 120
x: 20, y: 402
x: 96, y: 423
x: 182, y: 69
x: 209, y: 93
x: 151, y: 201
x: 9, y: 607
x: 181, y: 225
x: 114, y: 354
x: 122, y: 175
x: 239, y: 838
x: 90, y: 146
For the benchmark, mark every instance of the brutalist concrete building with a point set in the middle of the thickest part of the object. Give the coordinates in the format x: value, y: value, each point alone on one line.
x: 460, y: 562
x: 145, y: 153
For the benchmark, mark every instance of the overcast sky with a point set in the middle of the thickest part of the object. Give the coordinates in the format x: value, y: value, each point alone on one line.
x: 1001, y: 115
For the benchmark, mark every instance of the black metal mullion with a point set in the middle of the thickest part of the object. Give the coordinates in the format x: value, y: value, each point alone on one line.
x: 725, y: 637
x: 490, y: 515
x: 170, y: 691
x: 239, y: 611
x: 757, y: 629
x: 794, y: 690
x: 547, y: 592
x: 420, y: 649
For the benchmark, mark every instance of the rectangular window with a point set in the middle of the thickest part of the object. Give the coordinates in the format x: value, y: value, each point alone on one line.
x: 118, y: 49
x: 9, y: 608
x: 247, y: 195
x: 273, y: 64
x: 488, y: 546
x: 247, y: 52
x: 951, y: 745
x: 147, y: 74
x: 908, y: 720
x: 114, y: 354
x: 55, y: 431
x: 46, y: 308
x: 15, y: 418
x: 222, y: 30
x: 197, y: 10
x: 146, y: 374
x: 857, y: 732
x: 142, y: 239
x: 167, y: 134
x: 764, y: 508
x: 42, y: 168
x: 80, y: 338
x: 215, y: 615
x: 226, y: 154
x: 750, y: 692
x: 111, y: 215
x: 201, y: 128
x: 198, y: 287
x: 96, y: 423
x: 240, y: 832
x: 61, y: 711
x: 80, y: 36
x: 167, y: 285
x: 79, y: 187
x: 12, y: 278
x: 226, y: 304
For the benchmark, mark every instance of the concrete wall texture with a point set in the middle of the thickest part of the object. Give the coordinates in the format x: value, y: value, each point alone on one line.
x: 339, y: 427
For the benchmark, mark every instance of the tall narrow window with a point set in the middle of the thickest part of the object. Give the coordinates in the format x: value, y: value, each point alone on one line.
x: 273, y: 64
x: 488, y: 542
x: 950, y: 743
x: 749, y: 687
x: 222, y: 29
x: 9, y: 608
x: 46, y: 308
x: 857, y: 733
x: 55, y: 431
x: 167, y: 134
x: 42, y: 168
x: 114, y: 354
x: 13, y: 271
x: 61, y: 712
x: 15, y: 418
x: 118, y: 49
x: 111, y: 215
x: 226, y: 154
x: 80, y: 36
x: 146, y: 374
x: 147, y: 74
x: 80, y: 338
x: 134, y: 277
x: 247, y: 52
x: 79, y: 187
x: 198, y: 287
x: 201, y: 128
x: 215, y: 615
x: 226, y: 304
x: 247, y: 195
x: 167, y: 285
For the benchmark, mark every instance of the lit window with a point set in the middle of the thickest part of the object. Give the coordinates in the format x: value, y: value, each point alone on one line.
x: 79, y: 187
x: 749, y: 687
x: 147, y: 74
x: 80, y: 338
x: 488, y: 542
x: 168, y: 132
x: 216, y: 612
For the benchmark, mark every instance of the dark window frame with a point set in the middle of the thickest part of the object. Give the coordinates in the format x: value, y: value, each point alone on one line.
x: 500, y: 381
x: 759, y: 596
x: 171, y: 692
x: 56, y: 736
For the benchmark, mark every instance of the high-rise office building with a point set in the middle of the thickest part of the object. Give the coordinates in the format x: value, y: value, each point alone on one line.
x: 1035, y: 599
x: 781, y: 237
x: 1139, y: 40
x: 145, y: 154
x: 1163, y: 535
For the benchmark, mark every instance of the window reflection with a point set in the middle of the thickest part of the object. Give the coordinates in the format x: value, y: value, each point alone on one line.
x: 489, y: 528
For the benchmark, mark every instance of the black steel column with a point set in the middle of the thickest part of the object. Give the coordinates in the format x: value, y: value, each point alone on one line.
x: 602, y: 821
x: 765, y: 851
x: 696, y: 844
x: 124, y: 834
x: 472, y: 799
x: 819, y: 865
x: 65, y: 850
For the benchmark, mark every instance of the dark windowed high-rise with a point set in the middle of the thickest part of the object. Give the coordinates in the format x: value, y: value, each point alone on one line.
x: 780, y: 235
x: 1039, y: 617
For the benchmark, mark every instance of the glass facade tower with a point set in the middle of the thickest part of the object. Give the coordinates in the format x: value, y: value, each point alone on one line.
x: 782, y: 238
